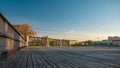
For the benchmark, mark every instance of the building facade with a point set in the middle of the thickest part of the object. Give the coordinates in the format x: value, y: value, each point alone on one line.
x: 116, y: 42
x: 47, y: 41
x: 110, y: 39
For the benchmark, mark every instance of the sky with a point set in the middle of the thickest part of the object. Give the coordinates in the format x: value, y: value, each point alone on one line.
x: 66, y: 19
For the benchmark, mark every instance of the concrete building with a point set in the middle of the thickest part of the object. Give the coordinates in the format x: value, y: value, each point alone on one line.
x: 116, y: 42
x: 105, y: 41
x: 69, y: 42
x: 47, y: 41
x: 42, y: 41
x: 10, y: 39
x: 110, y: 39
x: 73, y: 42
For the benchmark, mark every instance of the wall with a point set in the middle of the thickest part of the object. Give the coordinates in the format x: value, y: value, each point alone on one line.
x: 10, y: 39
x: 2, y: 43
x: 116, y: 42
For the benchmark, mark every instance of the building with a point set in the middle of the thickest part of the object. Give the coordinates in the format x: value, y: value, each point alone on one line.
x: 56, y: 42
x: 47, y: 41
x: 110, y: 39
x: 39, y: 41
x: 73, y: 42
x: 43, y: 41
x: 10, y: 39
x: 69, y: 42
x: 116, y: 42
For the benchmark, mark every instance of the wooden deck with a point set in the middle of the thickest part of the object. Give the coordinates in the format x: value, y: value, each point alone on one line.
x: 64, y: 57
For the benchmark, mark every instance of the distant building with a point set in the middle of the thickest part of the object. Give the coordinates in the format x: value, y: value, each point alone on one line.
x: 47, y: 41
x: 73, y: 42
x: 35, y: 40
x: 105, y: 41
x: 116, y: 42
x: 110, y: 39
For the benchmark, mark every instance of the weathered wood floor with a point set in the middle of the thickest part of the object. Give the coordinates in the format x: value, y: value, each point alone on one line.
x: 65, y: 57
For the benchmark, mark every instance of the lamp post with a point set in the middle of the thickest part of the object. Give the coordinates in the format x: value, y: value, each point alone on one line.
x: 47, y: 44
x: 61, y: 43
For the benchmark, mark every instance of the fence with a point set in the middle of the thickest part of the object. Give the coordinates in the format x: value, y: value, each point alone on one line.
x: 10, y: 39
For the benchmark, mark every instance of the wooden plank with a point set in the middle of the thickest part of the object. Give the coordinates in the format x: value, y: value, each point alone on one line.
x: 34, y: 60
x: 8, y: 64
x: 43, y: 61
x: 29, y: 61
x: 21, y: 59
x: 55, y: 57
x: 24, y: 63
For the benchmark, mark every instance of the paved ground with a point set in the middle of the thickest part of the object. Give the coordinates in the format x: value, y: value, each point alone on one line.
x: 65, y: 57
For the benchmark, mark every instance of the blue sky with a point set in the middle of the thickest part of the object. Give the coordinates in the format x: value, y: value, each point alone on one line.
x: 68, y: 19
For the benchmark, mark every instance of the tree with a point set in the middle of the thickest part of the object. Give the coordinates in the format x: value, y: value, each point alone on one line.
x: 90, y: 42
x: 24, y: 29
